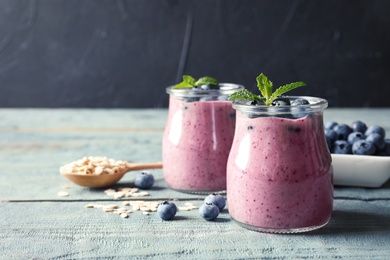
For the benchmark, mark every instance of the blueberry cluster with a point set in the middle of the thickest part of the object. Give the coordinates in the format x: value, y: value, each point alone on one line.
x: 292, y: 107
x: 205, y: 89
x: 213, y: 205
x: 356, y: 139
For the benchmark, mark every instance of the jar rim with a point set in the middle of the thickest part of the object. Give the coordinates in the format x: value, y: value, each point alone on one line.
x: 224, y: 89
x: 316, y: 104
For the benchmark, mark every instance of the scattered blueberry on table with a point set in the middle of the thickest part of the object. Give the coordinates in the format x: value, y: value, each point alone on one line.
x: 357, y: 138
x: 209, y: 211
x: 216, y: 199
x: 144, y: 180
x: 166, y: 210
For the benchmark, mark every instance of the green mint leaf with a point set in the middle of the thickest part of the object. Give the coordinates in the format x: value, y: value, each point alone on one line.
x: 205, y: 81
x: 182, y: 84
x: 283, y: 89
x: 189, y: 79
x: 190, y: 82
x: 264, y: 85
x: 244, y: 95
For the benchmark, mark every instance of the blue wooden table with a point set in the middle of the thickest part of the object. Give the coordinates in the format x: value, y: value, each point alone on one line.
x: 38, y: 222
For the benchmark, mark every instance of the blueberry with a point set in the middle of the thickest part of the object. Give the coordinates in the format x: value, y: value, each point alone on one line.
x: 297, y: 111
x: 331, y: 134
x: 223, y: 97
x: 144, y: 180
x: 209, y: 211
x: 284, y: 102
x: 251, y: 102
x: 377, y: 140
x: 293, y: 129
x: 190, y: 99
x: 342, y: 130
x: 254, y: 103
x: 166, y: 210
x: 387, y: 146
x: 359, y: 126
x: 363, y: 147
x: 278, y: 102
x: 355, y: 136
x: 216, y: 199
x: 385, y: 151
x: 376, y: 129
x: 329, y: 143
x: 208, y: 98
x: 330, y: 125
x: 253, y: 115
x: 342, y: 147
x: 299, y: 102
x: 207, y: 87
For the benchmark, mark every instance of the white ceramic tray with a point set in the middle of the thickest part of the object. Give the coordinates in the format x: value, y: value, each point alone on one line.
x: 360, y: 170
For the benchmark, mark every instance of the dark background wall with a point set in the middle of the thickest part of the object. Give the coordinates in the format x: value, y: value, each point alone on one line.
x: 106, y: 53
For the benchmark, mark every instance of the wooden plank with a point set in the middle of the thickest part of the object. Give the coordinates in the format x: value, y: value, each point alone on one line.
x: 12, y: 119
x: 358, y: 230
x: 15, y: 119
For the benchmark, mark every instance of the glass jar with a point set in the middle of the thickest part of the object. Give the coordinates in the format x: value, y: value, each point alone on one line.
x: 197, y: 138
x: 279, y: 172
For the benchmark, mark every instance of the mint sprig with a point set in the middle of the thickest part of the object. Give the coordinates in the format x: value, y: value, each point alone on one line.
x: 265, y: 87
x: 190, y: 82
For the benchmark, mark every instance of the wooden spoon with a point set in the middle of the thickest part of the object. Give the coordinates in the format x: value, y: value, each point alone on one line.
x: 104, y: 180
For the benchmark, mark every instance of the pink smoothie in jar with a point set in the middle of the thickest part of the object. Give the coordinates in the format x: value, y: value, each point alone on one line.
x: 198, y: 137
x: 279, y: 173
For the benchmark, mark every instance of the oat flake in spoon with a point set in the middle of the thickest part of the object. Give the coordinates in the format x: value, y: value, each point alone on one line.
x: 96, y: 172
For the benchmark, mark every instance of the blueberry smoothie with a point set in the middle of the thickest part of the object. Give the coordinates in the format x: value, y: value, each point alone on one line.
x: 279, y: 173
x: 197, y: 139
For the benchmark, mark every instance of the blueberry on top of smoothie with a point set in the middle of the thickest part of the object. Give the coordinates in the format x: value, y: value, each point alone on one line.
x: 299, y: 102
x: 278, y: 102
x: 206, y: 87
x: 267, y: 96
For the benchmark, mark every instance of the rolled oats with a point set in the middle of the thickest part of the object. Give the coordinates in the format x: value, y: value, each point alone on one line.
x: 124, y: 215
x: 94, y: 165
x: 63, y: 194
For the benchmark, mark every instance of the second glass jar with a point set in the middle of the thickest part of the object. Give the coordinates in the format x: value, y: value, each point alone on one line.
x: 198, y: 137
